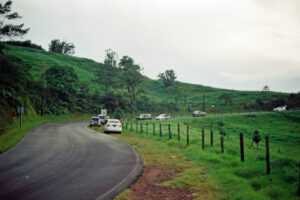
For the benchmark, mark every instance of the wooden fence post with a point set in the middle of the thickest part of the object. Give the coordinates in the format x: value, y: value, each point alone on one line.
x: 178, y: 135
x: 268, y: 155
x: 242, y: 147
x: 222, y: 144
x: 202, y: 138
x: 170, y: 134
x: 160, y: 133
x: 141, y: 127
x: 187, y: 135
x: 211, y: 137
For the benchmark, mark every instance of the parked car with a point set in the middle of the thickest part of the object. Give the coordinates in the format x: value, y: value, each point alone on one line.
x: 95, y: 121
x: 198, y: 113
x: 163, y: 117
x: 113, y: 125
x: 144, y: 117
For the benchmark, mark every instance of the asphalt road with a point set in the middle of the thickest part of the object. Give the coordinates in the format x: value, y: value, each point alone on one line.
x: 67, y: 161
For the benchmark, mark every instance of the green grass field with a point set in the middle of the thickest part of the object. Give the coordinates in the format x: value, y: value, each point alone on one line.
x: 232, y: 178
x: 85, y: 69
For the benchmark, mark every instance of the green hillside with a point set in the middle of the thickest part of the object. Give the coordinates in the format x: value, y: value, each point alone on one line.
x: 156, y: 93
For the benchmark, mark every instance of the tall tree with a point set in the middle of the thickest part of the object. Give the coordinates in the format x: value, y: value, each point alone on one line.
x: 108, y: 74
x: 7, y: 29
x: 61, y: 47
x: 111, y: 58
x: 132, y: 78
x: 266, y: 88
x: 168, y: 77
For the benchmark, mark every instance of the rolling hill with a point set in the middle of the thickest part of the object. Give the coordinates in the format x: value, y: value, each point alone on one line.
x: 85, y: 69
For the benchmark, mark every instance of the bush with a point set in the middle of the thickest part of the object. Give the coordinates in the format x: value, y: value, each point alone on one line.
x: 26, y: 43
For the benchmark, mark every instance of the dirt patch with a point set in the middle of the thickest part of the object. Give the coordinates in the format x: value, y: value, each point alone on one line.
x: 148, y: 186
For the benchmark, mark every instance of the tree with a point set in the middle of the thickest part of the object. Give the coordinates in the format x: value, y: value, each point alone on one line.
x: 61, y: 47
x: 62, y: 85
x: 108, y: 74
x: 266, y: 89
x: 256, y: 137
x: 7, y: 29
x: 132, y: 78
x: 111, y: 58
x: 168, y: 77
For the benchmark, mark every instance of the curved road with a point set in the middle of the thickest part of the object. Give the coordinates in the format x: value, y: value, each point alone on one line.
x: 67, y: 161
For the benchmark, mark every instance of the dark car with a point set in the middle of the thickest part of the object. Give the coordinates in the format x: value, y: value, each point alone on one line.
x: 95, y: 121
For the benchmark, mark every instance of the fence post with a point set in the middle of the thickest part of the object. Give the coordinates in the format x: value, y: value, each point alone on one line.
x: 160, y: 133
x: 222, y: 144
x: 242, y: 147
x: 178, y: 135
x: 187, y: 135
x: 267, y: 155
x: 131, y: 126
x: 211, y: 136
x: 153, y: 128
x: 147, y: 129
x: 202, y: 138
x: 170, y: 134
x: 141, y: 127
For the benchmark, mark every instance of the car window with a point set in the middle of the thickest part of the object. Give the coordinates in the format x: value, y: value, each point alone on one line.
x: 95, y: 119
x: 114, y: 121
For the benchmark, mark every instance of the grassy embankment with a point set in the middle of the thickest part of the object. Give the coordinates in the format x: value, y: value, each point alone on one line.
x: 210, y: 170
x: 15, y: 134
x: 85, y: 69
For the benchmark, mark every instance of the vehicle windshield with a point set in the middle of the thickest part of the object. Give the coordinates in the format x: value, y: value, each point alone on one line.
x: 113, y: 121
x: 95, y: 119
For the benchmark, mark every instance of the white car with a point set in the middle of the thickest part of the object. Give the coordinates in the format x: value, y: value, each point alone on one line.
x: 163, y: 116
x: 113, y: 125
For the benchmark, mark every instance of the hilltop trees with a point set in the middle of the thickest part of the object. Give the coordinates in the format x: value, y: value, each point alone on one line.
x: 8, y: 29
x: 168, y: 77
x: 107, y: 74
x: 61, y: 47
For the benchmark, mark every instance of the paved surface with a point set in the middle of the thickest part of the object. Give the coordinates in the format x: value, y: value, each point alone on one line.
x: 67, y: 161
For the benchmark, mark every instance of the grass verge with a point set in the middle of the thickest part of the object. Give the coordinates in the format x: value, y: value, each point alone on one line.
x: 15, y: 134
x: 224, y: 173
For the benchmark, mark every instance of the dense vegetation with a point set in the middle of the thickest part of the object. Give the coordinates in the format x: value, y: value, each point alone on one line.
x: 53, y: 83
x: 232, y: 178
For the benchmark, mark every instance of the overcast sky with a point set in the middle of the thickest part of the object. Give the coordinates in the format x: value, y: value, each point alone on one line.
x: 231, y: 44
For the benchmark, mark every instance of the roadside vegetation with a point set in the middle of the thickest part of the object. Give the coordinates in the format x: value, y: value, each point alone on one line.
x: 233, y: 179
x: 15, y: 134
